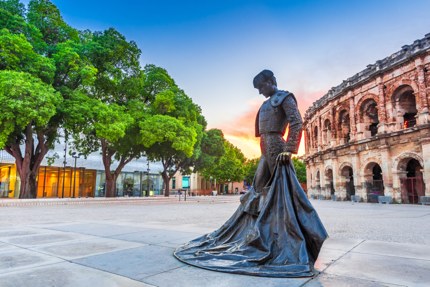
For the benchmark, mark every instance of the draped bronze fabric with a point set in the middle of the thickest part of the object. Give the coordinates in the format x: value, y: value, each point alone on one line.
x: 275, y: 233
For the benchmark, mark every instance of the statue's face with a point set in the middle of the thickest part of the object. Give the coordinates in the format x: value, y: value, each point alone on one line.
x: 266, y: 88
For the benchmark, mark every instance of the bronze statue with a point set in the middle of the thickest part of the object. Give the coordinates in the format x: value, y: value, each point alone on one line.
x: 275, y: 232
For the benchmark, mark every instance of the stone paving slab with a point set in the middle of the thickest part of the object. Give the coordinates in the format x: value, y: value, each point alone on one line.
x: 17, y: 232
x: 387, y: 269
x: 193, y: 276
x: 136, y: 263
x: 66, y: 275
x: 342, y: 244
x: 159, y: 237
x: 326, y: 280
x: 17, y: 259
x: 85, y: 248
x: 41, y: 239
x: 97, y: 229
x: 414, y: 251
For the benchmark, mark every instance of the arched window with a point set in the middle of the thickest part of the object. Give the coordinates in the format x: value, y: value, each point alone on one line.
x: 405, y: 105
x: 369, y: 116
x: 344, y: 125
x: 327, y: 132
x: 315, y: 139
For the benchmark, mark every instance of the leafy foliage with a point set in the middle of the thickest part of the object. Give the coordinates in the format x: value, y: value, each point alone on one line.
x: 26, y: 100
x: 229, y: 167
x: 300, y: 168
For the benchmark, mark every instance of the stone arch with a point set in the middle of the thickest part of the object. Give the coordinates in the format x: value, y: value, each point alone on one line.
x: 343, y: 165
x: 373, y: 179
x: 368, y: 117
x: 329, y: 179
x: 315, y: 135
x: 405, y: 104
x: 390, y: 91
x: 327, y: 127
x: 366, y: 97
x: 410, y: 176
x: 343, y: 125
x: 400, y: 162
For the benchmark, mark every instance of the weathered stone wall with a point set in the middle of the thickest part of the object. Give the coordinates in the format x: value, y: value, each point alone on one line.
x: 376, y: 122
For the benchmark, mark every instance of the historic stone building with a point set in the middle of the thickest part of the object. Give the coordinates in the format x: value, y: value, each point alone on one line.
x: 370, y: 135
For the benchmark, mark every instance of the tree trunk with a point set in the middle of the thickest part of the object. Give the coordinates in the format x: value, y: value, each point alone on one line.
x: 111, y: 177
x: 110, y: 186
x: 166, y: 181
x: 28, y: 188
x: 27, y: 165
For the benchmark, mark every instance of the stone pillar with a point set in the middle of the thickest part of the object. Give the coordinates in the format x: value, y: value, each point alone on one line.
x: 352, y: 126
x: 426, y: 168
x: 387, y: 175
x: 333, y: 135
x: 399, y: 116
x: 423, y: 115
x: 397, y: 188
x: 382, y: 112
x: 320, y: 131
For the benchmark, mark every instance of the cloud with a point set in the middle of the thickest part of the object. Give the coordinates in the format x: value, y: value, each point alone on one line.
x: 241, y: 131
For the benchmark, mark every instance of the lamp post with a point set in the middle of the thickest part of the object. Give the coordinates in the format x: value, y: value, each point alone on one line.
x: 75, y: 156
x: 147, y: 179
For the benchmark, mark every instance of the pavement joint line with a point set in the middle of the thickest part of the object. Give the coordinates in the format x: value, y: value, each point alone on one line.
x: 105, y: 271
x: 406, y: 258
x: 343, y: 276
x: 343, y: 255
x: 165, y: 271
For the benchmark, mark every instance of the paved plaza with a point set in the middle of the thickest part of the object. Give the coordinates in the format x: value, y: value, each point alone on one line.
x: 129, y: 242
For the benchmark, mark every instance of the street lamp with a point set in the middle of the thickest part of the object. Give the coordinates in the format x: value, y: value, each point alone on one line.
x: 147, y: 179
x: 75, y: 156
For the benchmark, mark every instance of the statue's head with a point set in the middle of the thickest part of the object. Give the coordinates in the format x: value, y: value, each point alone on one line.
x: 264, y: 76
x: 265, y: 82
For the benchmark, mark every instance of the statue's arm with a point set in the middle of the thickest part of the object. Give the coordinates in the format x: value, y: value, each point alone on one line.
x: 294, y: 119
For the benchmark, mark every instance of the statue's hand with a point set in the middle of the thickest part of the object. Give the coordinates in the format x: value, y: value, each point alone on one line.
x: 284, y: 157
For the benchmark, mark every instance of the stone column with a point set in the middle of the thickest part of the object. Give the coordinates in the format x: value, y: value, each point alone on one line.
x: 426, y: 168
x: 320, y: 130
x: 397, y: 187
x: 387, y: 175
x: 382, y: 112
x: 352, y: 126
x: 333, y: 136
x: 423, y: 116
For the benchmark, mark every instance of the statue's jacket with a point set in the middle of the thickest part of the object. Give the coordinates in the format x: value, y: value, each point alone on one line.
x: 276, y: 114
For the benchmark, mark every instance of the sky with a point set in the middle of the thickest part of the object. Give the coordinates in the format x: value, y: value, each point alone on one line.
x: 213, y: 49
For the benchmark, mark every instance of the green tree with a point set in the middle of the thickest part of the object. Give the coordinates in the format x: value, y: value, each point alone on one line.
x: 118, y: 94
x: 211, y: 149
x: 23, y: 49
x: 173, y: 132
x: 229, y: 167
x: 250, y: 169
x: 28, y: 104
x: 300, y: 168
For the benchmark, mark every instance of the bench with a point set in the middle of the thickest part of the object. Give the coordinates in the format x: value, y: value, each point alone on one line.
x: 355, y: 198
x: 385, y: 199
x: 424, y: 200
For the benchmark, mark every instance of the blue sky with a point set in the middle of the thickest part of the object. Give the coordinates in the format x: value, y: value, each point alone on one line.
x: 213, y: 49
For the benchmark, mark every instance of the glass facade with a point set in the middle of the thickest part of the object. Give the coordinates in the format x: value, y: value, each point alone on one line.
x: 65, y: 182
x: 9, y: 185
x: 80, y: 182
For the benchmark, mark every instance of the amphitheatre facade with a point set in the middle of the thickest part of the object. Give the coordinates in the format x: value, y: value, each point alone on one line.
x: 370, y: 136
